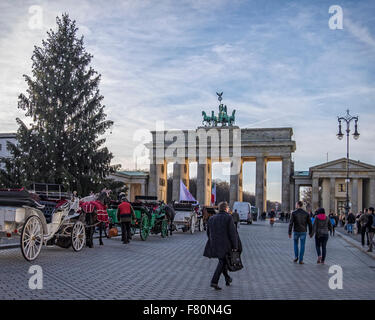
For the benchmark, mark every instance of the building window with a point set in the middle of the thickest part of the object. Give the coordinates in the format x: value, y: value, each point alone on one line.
x: 342, y: 187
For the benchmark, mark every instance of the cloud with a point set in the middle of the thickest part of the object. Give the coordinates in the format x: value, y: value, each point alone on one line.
x: 279, y: 66
x: 359, y: 32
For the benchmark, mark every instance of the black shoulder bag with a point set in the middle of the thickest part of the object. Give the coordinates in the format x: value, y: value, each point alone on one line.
x: 234, y: 261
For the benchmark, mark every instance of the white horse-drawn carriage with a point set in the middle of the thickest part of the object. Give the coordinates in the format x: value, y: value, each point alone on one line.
x: 188, y: 217
x: 22, y: 215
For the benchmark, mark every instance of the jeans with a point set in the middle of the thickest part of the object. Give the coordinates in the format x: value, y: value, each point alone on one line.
x: 350, y: 227
x: 321, y: 242
x: 302, y: 237
x: 220, y: 269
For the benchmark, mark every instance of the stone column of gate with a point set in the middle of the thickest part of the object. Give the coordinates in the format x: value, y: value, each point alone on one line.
x: 143, y: 189
x: 152, y: 181
x: 260, y: 183
x: 235, y: 181
x: 332, y: 195
x: 354, y: 199
x: 372, y: 192
x: 180, y: 172
x: 315, y: 194
x: 285, y: 183
x: 296, y: 195
x: 161, y: 181
x: 204, y: 181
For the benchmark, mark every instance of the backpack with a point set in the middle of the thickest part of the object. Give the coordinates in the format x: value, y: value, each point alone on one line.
x: 333, y: 222
x: 373, y: 221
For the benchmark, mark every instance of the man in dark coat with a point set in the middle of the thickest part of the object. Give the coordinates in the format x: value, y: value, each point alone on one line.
x: 222, y: 238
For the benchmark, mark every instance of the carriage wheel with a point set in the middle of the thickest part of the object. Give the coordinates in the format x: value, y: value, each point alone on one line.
x: 201, y: 226
x: 32, y: 238
x: 192, y: 224
x: 164, y: 228
x: 78, y: 236
x: 144, y: 227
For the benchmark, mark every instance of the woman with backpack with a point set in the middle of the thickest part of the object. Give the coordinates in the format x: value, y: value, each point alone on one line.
x: 322, y: 225
x: 333, y: 223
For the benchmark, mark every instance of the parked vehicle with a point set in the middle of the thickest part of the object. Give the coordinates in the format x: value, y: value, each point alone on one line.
x: 22, y: 215
x: 245, y: 211
x: 188, y: 216
x: 150, y: 217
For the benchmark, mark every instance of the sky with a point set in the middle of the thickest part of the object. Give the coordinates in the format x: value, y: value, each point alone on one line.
x: 278, y: 63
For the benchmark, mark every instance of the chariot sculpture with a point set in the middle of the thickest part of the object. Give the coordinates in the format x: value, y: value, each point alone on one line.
x: 222, y: 118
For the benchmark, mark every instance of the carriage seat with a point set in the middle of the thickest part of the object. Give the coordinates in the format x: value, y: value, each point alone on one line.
x: 18, y: 198
x: 48, y: 210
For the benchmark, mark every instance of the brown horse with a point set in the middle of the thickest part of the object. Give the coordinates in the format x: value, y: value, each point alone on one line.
x: 95, y: 209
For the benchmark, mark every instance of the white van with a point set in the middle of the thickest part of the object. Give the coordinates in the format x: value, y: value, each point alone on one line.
x: 244, y: 211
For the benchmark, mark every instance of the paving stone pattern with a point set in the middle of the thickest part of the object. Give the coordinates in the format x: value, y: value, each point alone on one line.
x: 174, y: 268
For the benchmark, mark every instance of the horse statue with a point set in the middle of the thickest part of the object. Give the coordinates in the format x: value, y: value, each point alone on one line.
x: 214, y: 118
x: 232, y: 117
x: 223, y: 117
x: 95, y: 208
x: 206, y: 119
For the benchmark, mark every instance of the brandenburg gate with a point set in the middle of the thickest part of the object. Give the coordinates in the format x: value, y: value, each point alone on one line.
x: 221, y: 143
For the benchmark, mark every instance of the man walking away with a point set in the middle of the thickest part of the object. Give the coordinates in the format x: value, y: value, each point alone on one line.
x: 298, y: 224
x: 351, y: 221
x: 320, y: 228
x: 125, y: 213
x: 236, y: 218
x: 363, y: 222
x: 222, y: 238
x: 371, y: 228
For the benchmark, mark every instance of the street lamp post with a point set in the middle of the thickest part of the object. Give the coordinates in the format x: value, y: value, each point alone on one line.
x: 347, y: 118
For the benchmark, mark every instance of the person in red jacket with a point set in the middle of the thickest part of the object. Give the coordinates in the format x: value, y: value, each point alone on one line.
x: 125, y: 213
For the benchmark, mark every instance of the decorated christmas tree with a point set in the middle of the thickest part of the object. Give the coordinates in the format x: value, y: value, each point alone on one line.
x: 62, y: 144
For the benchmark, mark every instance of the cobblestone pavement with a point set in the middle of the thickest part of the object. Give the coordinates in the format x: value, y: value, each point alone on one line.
x: 174, y: 268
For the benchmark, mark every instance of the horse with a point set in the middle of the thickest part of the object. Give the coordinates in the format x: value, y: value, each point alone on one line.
x: 95, y: 208
x: 232, y: 118
x: 206, y: 119
x: 170, y: 213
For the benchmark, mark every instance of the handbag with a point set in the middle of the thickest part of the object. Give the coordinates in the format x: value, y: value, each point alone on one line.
x: 234, y: 262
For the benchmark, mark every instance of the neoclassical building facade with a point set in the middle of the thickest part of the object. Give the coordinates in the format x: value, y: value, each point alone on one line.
x: 328, y: 183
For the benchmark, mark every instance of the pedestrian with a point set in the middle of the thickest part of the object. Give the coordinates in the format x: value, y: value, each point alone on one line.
x: 321, y: 226
x: 363, y: 222
x: 358, y: 225
x: 287, y: 217
x: 282, y: 216
x: 222, y: 238
x: 371, y: 228
x: 350, y: 222
x: 125, y: 213
x: 337, y: 219
x: 236, y: 218
x: 299, y: 222
x: 333, y: 224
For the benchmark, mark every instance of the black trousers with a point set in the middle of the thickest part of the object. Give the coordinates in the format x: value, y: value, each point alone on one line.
x: 321, y: 242
x: 221, y: 268
x: 363, y: 233
x: 125, y: 231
